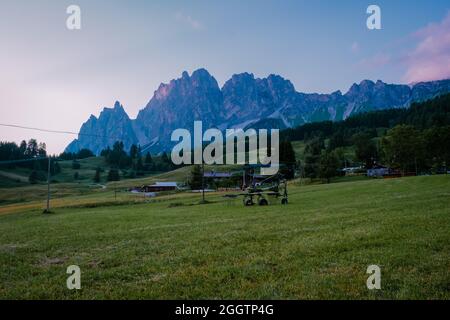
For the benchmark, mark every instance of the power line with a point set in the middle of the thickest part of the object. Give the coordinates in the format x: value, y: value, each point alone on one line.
x: 143, y: 148
x: 36, y: 129
x: 54, y: 131
x: 47, y: 210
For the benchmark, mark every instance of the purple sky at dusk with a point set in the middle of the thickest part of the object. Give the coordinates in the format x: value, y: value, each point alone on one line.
x: 54, y: 78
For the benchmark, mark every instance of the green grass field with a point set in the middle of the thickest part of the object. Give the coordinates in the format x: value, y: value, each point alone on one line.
x: 318, y: 246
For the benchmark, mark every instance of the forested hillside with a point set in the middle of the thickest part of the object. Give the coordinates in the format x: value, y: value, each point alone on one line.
x: 411, y: 140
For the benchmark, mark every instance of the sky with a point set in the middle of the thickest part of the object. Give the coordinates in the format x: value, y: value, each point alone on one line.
x: 55, y: 78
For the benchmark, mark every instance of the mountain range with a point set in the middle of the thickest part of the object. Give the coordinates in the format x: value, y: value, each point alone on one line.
x: 243, y: 102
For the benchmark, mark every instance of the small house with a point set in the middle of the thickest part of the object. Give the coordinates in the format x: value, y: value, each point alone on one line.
x: 378, y: 171
x: 160, y: 187
x: 352, y: 171
x: 217, y: 175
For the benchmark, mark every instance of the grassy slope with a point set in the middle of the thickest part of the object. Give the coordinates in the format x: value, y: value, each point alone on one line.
x: 19, y: 176
x: 299, y: 148
x: 318, y: 246
x: 86, y: 172
x: 14, y: 197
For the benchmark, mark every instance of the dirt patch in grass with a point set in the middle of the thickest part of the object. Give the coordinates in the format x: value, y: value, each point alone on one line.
x: 158, y: 277
x: 95, y: 263
x: 46, y: 262
x: 179, y: 204
x: 11, y: 247
x: 103, y: 204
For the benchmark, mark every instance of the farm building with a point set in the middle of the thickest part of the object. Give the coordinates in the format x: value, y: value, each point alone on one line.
x: 378, y: 171
x: 159, y: 187
x: 217, y: 175
x: 351, y: 171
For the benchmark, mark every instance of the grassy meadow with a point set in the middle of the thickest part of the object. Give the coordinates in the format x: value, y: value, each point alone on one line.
x: 171, y: 247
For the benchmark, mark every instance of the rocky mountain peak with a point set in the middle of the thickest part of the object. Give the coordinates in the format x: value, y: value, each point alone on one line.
x: 201, y: 73
x: 337, y: 93
x: 117, y: 106
x: 277, y: 83
x: 361, y: 88
x: 244, y: 77
x: 202, y: 78
x: 244, y: 101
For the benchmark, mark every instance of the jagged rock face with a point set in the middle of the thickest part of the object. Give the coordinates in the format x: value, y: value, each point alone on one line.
x: 180, y: 103
x: 112, y: 125
x: 243, y: 102
x: 375, y: 96
x: 424, y: 90
x: 247, y: 99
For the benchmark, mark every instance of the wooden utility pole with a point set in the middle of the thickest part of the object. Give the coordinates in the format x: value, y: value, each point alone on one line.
x: 48, y: 187
x: 415, y: 164
x: 203, y: 181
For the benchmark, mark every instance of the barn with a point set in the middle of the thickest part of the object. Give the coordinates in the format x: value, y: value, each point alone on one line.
x: 160, y: 187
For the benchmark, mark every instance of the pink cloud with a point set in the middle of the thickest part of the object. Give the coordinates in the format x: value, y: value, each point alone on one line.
x: 430, y: 60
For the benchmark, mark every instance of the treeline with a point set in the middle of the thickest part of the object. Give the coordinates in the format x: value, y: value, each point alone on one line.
x: 10, y: 151
x: 121, y: 164
x: 80, y: 155
x: 128, y: 164
x: 30, y: 155
x: 133, y: 163
x: 414, y: 140
x: 435, y: 112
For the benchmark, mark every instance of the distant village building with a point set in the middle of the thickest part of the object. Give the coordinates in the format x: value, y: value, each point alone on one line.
x: 159, y: 187
x: 378, y: 171
x: 217, y: 175
x: 352, y: 171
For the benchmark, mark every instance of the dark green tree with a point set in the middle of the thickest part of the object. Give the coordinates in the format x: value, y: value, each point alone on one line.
x: 105, y: 153
x: 55, y: 168
x: 33, y: 178
x: 195, y: 181
x: 313, y: 151
x: 97, y: 175
x: 148, y: 158
x: 85, y: 153
x: 134, y: 151
x: 437, y: 147
x: 365, y: 149
x: 287, y: 159
x: 329, y: 165
x: 113, y: 175
x: 42, y: 152
x: 32, y: 149
x: 139, y: 167
x: 23, y: 148
x: 165, y: 158
x: 337, y: 140
x: 403, y: 148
